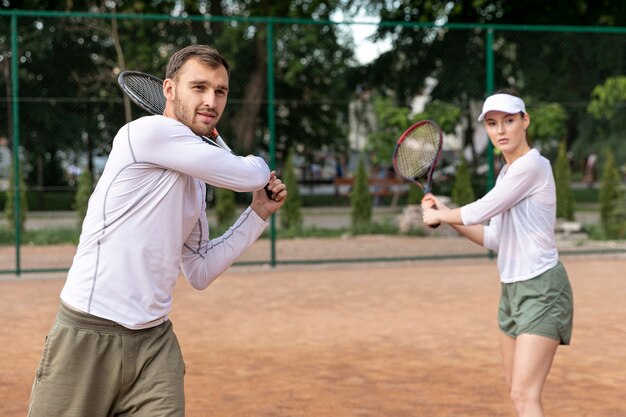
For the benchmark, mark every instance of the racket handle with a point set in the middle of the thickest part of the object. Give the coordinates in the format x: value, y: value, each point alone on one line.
x: 268, y: 192
x: 427, y: 191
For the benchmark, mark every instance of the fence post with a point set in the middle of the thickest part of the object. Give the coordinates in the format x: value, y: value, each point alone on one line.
x: 16, y: 140
x: 272, y: 127
x: 490, y: 87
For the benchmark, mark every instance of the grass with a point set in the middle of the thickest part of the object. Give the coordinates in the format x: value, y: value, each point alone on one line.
x: 60, y: 235
x: 52, y: 236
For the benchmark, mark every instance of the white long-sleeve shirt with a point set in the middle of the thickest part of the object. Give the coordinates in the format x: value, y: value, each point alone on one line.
x: 146, y: 220
x: 522, y: 209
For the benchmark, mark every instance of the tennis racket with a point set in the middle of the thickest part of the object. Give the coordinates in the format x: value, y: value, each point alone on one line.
x: 146, y: 91
x: 417, y: 152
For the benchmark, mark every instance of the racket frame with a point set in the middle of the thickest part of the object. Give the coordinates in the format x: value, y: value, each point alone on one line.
x: 425, y: 186
x: 159, y: 109
x: 151, y: 107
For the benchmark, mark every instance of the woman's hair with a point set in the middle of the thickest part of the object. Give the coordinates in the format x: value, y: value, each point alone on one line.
x: 509, y: 91
x: 204, y: 53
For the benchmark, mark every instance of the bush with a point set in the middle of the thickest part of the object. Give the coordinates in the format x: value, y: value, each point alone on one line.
x: 612, y: 211
x: 225, y: 206
x: 361, y: 200
x: 9, y: 209
x: 81, y: 200
x: 563, y: 181
x: 290, y: 212
x: 462, y: 191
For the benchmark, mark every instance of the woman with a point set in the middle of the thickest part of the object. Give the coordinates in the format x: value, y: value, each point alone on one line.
x: 536, y: 304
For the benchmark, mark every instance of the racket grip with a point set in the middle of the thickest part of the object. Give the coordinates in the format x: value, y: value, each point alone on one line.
x: 268, y: 192
x: 434, y: 226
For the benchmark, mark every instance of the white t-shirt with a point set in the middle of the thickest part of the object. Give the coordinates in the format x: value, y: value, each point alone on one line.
x: 522, y: 212
x: 146, y: 220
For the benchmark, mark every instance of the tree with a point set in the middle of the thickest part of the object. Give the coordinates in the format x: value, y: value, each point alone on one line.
x: 361, y: 200
x: 612, y: 207
x: 290, y: 212
x: 462, y: 191
x: 548, y: 126
x: 607, y: 107
x: 394, y: 119
x: 527, y: 61
x: 563, y: 182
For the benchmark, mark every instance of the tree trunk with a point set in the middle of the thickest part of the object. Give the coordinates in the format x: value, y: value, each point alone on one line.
x: 245, y: 120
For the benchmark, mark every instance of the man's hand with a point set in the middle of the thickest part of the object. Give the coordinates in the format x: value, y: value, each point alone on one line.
x: 262, y: 204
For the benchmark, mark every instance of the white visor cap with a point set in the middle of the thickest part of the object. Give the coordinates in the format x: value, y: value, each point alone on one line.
x: 502, y: 102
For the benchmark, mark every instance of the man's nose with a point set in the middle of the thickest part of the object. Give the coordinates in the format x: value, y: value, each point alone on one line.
x: 209, y: 99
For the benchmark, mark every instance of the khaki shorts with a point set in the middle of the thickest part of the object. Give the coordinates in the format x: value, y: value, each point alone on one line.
x: 543, y: 306
x: 97, y: 368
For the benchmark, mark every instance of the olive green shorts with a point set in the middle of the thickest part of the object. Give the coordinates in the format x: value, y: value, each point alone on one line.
x: 95, y: 367
x: 542, y: 306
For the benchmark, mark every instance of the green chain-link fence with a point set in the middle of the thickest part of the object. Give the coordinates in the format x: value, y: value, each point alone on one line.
x: 297, y: 84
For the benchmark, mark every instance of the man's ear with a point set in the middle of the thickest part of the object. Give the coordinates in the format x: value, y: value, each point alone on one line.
x: 169, y: 89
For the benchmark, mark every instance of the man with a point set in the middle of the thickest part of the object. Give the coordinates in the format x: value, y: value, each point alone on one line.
x: 112, y: 350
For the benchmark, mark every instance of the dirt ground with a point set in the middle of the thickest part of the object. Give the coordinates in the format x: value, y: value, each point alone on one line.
x: 383, y: 340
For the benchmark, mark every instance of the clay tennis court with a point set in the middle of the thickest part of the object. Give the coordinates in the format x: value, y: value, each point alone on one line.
x: 382, y: 340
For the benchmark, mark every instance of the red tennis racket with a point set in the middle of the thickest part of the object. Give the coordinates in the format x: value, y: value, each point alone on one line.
x: 417, y: 152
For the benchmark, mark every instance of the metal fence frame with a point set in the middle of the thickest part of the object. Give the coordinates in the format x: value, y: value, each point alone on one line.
x: 270, y: 22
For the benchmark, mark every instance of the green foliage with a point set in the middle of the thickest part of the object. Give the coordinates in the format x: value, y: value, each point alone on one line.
x: 562, y: 179
x: 290, y: 212
x: 446, y: 115
x: 462, y: 191
x: 612, y: 200
x: 81, y: 200
x: 361, y: 200
x: 547, y: 125
x: 225, y: 206
x: 394, y: 120
x: 606, y: 98
x: 9, y: 209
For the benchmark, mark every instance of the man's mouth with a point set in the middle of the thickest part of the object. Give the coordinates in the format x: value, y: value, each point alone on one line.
x: 207, y: 117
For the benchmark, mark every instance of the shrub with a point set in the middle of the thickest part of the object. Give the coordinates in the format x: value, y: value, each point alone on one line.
x: 361, y: 200
x: 83, y: 192
x: 9, y: 209
x: 462, y: 191
x: 225, y: 207
x: 612, y: 211
x: 291, y: 212
x: 562, y: 178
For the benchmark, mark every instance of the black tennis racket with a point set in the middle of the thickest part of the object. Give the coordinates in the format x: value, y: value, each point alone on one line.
x: 417, y: 152
x: 146, y: 91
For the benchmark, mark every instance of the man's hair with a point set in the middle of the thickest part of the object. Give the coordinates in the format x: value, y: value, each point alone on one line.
x: 204, y: 53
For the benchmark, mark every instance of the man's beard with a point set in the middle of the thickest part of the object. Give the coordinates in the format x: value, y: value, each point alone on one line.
x: 186, y: 116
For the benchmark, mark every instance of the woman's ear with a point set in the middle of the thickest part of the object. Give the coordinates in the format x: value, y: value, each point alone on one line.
x: 526, y: 120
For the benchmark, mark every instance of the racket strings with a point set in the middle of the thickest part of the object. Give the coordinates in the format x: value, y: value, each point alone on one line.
x: 148, y: 90
x: 417, y: 152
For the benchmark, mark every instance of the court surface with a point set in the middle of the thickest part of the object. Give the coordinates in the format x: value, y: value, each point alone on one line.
x: 380, y: 340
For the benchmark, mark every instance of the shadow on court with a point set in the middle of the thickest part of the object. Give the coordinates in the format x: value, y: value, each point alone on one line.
x: 388, y: 340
